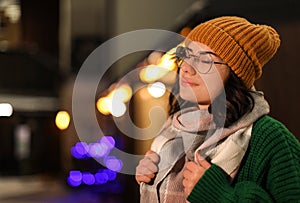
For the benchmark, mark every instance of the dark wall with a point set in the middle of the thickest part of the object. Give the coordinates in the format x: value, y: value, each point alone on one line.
x: 280, y: 81
x: 40, y: 20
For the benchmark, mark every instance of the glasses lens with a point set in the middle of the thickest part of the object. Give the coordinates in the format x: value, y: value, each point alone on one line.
x: 202, y: 62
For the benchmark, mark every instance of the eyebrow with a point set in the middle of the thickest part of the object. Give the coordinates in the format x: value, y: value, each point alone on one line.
x: 203, y: 52
x: 208, y: 52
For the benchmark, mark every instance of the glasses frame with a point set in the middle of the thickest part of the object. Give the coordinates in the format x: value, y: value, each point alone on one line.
x: 181, y: 54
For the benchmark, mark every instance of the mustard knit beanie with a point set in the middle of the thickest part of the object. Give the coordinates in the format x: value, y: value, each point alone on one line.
x: 244, y: 46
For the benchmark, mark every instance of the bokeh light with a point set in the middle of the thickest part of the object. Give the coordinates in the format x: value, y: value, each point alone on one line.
x: 154, y: 72
x: 114, y: 102
x: 156, y: 89
x: 109, y: 141
x: 110, y: 174
x: 6, y: 109
x: 88, y: 178
x: 98, y: 150
x: 75, y: 178
x: 103, y: 105
x: 80, y: 150
x: 113, y: 163
x: 62, y: 120
x: 118, y: 108
x: 101, y: 178
x: 122, y: 93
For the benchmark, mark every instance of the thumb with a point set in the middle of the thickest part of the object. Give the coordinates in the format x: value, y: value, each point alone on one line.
x: 202, y: 161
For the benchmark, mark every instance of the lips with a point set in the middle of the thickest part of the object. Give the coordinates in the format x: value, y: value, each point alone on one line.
x: 184, y: 82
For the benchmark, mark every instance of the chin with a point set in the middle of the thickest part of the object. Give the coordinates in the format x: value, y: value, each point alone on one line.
x: 192, y: 98
x: 188, y: 96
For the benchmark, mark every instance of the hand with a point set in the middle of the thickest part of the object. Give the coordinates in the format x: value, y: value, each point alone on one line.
x: 193, y: 172
x: 147, y: 167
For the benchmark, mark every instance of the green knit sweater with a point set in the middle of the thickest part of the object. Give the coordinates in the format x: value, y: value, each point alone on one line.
x: 269, y: 172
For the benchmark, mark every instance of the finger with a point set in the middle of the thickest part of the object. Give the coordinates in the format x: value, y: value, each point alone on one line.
x: 142, y: 175
x: 187, y: 187
x: 153, y: 156
x: 202, y: 161
x: 144, y: 171
x: 187, y: 174
x: 149, y: 168
x: 185, y: 183
x: 141, y: 178
x: 149, y: 152
x: 191, y: 166
x: 147, y: 163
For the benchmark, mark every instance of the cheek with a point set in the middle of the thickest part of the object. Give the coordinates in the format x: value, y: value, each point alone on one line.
x: 195, y: 94
x: 214, y: 84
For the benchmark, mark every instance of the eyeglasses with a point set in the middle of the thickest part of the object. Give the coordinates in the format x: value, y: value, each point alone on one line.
x: 202, y: 62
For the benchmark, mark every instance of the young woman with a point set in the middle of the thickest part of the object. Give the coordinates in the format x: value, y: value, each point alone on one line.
x: 219, y: 144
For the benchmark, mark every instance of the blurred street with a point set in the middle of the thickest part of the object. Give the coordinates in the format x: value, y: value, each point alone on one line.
x: 40, y: 189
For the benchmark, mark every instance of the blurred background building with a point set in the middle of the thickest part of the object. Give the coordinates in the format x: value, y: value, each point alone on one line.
x: 43, y: 45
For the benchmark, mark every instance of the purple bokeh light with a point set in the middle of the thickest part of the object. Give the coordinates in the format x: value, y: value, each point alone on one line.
x: 98, y: 150
x: 109, y: 141
x: 75, y: 178
x: 113, y: 163
x: 88, y: 178
x: 101, y: 178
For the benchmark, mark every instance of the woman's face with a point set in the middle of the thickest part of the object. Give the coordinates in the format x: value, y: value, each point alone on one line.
x: 202, y: 75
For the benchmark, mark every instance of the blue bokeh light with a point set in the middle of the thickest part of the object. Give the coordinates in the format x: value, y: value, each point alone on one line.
x: 113, y: 163
x: 75, y: 178
x: 112, y: 175
x: 98, y: 150
x: 101, y: 178
x: 108, y: 141
x: 76, y: 154
x: 82, y: 148
x: 73, y: 183
x: 88, y: 178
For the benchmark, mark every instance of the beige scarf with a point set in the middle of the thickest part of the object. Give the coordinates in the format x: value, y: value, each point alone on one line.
x: 189, y: 132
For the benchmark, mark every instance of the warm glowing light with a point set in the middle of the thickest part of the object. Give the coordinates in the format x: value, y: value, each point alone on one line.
x: 152, y: 73
x: 103, y: 105
x: 62, y: 120
x: 122, y: 93
x: 6, y: 109
x: 156, y: 89
x: 118, y: 108
x: 13, y: 12
x: 113, y: 103
x: 168, y: 61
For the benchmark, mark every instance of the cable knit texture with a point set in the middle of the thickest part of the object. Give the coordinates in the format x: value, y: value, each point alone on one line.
x: 244, y: 46
x: 270, y: 170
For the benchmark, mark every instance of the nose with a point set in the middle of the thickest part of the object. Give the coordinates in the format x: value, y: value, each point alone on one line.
x: 187, y: 68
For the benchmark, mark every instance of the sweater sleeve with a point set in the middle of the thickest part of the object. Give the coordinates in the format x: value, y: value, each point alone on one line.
x: 214, y: 186
x: 271, y: 172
